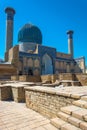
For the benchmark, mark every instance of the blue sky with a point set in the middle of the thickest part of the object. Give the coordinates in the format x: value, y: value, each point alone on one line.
x: 54, y: 18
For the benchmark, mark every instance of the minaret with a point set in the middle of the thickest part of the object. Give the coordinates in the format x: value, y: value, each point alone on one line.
x: 9, y: 27
x: 70, y: 42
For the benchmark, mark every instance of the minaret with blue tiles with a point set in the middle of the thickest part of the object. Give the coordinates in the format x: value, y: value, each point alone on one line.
x: 9, y: 27
x: 70, y: 42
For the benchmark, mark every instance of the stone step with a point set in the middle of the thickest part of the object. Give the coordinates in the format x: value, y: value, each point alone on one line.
x: 50, y: 127
x: 74, y: 121
x: 63, y: 125
x: 80, y: 103
x: 84, y: 98
x: 69, y: 109
x: 83, y: 126
x: 57, y: 122
x: 69, y: 127
x: 63, y: 116
x: 80, y: 114
x: 75, y: 111
x: 68, y: 118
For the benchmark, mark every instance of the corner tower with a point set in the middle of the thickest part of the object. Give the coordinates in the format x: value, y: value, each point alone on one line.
x: 9, y: 27
x: 70, y: 42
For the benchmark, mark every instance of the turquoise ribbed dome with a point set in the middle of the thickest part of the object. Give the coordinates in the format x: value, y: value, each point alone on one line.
x: 30, y: 33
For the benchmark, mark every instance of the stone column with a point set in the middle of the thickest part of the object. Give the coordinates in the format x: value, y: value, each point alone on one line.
x: 9, y: 27
x: 70, y: 42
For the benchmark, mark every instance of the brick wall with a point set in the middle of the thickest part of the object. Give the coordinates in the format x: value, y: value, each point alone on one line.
x: 61, y: 76
x: 15, y: 78
x: 18, y: 94
x: 26, y: 78
x: 49, y: 78
x: 46, y: 102
x: 66, y: 76
x: 82, y: 78
x: 6, y: 70
x: 5, y: 93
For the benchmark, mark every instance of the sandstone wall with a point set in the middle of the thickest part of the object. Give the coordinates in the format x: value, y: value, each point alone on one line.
x: 82, y: 78
x: 13, y: 91
x: 61, y: 76
x: 63, y: 55
x: 15, y: 78
x: 66, y: 76
x: 18, y: 94
x: 15, y: 56
x: 6, y: 70
x: 26, y: 78
x: 49, y: 78
x: 5, y: 93
x: 46, y: 103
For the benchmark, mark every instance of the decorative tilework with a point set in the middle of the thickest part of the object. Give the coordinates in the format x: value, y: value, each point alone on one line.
x: 43, y: 50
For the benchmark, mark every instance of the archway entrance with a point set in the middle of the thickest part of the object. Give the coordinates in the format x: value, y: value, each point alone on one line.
x: 30, y: 72
x: 47, y: 67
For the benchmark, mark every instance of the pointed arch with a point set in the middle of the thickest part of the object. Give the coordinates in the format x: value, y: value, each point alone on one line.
x: 47, y: 67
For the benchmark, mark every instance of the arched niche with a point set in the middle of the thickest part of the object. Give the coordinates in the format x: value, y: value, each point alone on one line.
x: 36, y: 72
x: 47, y: 67
x: 30, y: 62
x: 36, y: 63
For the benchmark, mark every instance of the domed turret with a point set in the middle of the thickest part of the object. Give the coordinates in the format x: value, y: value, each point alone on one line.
x: 30, y: 33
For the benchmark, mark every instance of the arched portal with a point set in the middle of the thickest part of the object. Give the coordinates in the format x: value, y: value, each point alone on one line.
x: 47, y: 67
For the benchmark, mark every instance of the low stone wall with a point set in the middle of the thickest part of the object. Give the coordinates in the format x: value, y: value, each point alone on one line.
x: 49, y: 78
x: 15, y: 78
x: 47, y: 101
x: 26, y: 78
x: 5, y: 92
x: 5, y: 77
x: 61, y: 76
x: 82, y: 78
x: 6, y: 70
x: 70, y: 83
x: 18, y: 93
x: 66, y: 76
x: 14, y: 92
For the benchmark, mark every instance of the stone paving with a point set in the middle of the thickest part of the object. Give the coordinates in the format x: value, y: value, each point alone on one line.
x: 16, y: 116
